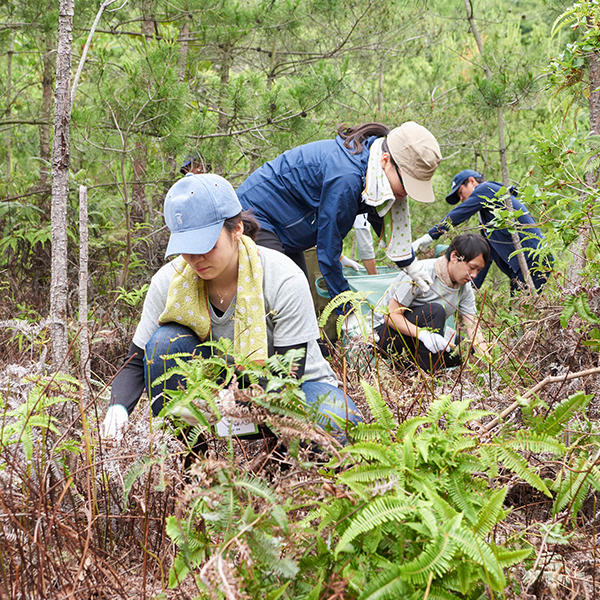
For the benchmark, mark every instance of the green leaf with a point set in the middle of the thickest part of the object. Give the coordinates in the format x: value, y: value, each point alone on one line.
x: 379, y: 511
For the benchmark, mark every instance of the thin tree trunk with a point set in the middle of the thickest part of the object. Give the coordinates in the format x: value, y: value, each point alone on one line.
x: 184, y: 35
x: 61, y: 159
x: 84, y: 342
x: 47, y: 80
x: 8, y: 101
x: 516, y: 240
x: 577, y: 265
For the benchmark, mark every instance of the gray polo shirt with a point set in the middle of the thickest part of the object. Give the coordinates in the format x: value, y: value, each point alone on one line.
x: 406, y: 293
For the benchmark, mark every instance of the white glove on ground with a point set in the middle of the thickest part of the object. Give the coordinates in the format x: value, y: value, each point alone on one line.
x: 434, y: 342
x: 348, y: 262
x: 419, y: 275
x: 422, y: 242
x: 115, y: 420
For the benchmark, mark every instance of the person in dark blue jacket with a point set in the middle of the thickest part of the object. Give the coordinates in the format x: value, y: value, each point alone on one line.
x: 476, y: 195
x: 310, y: 195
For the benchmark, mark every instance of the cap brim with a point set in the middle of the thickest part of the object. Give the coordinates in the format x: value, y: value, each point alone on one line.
x: 452, y: 197
x: 421, y: 191
x: 195, y: 241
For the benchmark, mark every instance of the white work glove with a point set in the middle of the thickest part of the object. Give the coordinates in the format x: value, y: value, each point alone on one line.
x: 348, y: 262
x: 434, y: 342
x: 115, y: 420
x: 422, y: 242
x: 422, y: 279
x: 351, y: 325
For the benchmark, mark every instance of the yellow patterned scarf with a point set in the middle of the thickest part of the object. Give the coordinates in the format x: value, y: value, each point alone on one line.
x: 187, y: 303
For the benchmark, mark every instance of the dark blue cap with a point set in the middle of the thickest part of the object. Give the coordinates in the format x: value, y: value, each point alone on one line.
x: 452, y: 197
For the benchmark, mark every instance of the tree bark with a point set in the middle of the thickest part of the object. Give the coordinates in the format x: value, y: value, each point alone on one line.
x: 47, y: 80
x: 84, y: 342
x: 61, y: 159
x: 8, y: 100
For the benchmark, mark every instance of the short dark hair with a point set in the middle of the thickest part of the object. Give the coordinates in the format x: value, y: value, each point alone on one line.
x: 251, y: 225
x: 468, y: 246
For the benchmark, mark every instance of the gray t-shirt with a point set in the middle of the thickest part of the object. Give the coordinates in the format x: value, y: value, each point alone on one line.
x: 289, y: 308
x: 461, y: 299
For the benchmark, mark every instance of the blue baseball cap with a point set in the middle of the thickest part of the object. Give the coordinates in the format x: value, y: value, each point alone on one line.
x: 452, y: 197
x: 195, y: 209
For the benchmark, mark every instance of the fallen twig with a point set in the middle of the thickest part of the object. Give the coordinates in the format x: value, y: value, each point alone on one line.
x: 551, y: 379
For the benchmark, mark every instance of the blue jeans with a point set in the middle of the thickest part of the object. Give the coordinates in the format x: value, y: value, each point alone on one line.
x: 173, y: 339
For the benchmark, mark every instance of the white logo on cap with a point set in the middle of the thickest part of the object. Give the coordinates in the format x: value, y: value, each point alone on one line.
x: 178, y: 219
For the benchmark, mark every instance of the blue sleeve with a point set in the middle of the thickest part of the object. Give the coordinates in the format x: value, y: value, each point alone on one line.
x: 463, y: 212
x: 337, y: 211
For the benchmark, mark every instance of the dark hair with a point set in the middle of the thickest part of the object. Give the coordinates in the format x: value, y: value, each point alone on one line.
x: 355, y: 136
x: 468, y: 246
x: 479, y: 179
x: 251, y: 225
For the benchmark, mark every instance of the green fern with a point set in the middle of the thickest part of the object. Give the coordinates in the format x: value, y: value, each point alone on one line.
x: 491, y: 513
x: 389, y: 585
x: 379, y: 409
x: 514, y: 462
x: 375, y: 514
x: 436, y: 557
x: 553, y: 424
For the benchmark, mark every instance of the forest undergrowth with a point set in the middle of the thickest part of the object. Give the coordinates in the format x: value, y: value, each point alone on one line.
x: 424, y: 502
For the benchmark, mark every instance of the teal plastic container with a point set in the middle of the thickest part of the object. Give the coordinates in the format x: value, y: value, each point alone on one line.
x: 361, y: 281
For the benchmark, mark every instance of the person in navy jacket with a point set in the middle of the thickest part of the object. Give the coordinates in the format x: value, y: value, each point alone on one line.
x: 476, y: 195
x: 310, y: 195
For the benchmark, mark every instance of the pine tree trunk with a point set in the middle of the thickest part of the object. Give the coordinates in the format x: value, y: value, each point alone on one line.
x: 47, y: 80
x: 61, y: 159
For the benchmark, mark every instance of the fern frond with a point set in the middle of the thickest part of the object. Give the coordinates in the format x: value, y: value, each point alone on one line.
x: 534, y: 442
x: 514, y: 462
x: 572, y: 492
x: 408, y: 428
x: 563, y: 20
x: 461, y: 496
x: 366, y: 474
x: 480, y: 553
x: 491, y: 512
x: 388, y: 585
x: 379, y: 511
x: 440, y: 505
x: 564, y: 411
x: 439, y: 407
x: 507, y: 558
x: 379, y: 409
x: 373, y: 451
x: 436, y: 557
x: 364, y: 432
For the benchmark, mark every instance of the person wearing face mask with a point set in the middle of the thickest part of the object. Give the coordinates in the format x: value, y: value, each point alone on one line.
x: 475, y: 195
x: 220, y: 285
x: 415, y: 320
x: 310, y: 195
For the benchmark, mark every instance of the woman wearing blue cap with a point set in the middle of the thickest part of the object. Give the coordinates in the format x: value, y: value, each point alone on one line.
x: 477, y: 195
x: 221, y: 286
x: 310, y: 195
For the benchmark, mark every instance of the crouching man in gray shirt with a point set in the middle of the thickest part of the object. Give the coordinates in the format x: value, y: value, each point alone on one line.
x: 416, y: 319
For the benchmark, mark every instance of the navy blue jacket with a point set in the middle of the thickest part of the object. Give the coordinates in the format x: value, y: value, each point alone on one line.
x: 309, y: 196
x: 480, y: 201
